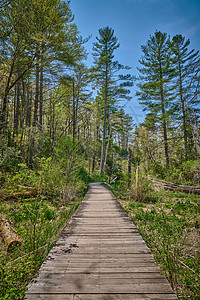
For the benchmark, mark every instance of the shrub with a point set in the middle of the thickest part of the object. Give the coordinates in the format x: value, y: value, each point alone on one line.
x: 10, y: 160
x: 187, y: 173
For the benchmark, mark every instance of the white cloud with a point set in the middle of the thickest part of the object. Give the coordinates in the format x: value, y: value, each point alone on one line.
x: 192, y: 30
x: 175, y: 24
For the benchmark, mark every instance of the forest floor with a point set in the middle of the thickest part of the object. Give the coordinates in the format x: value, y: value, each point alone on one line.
x: 38, y: 220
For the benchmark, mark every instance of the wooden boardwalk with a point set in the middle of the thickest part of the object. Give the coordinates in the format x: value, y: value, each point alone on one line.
x: 99, y: 256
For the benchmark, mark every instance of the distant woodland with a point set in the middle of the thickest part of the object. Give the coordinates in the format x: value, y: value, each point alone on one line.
x: 47, y: 93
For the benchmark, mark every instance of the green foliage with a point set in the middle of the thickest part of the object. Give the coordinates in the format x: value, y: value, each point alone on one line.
x: 74, y: 174
x: 145, y: 188
x: 58, y: 183
x: 105, y: 76
x: 38, y: 222
x: 63, y: 175
x: 83, y: 175
x: 24, y: 175
x: 187, y: 173
x: 14, y: 276
x: 10, y: 159
x: 99, y: 177
x: 168, y: 89
x: 170, y: 227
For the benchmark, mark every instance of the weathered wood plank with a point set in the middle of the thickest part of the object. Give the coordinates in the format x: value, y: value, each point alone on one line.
x: 135, y: 277
x: 115, y: 296
x: 64, y: 287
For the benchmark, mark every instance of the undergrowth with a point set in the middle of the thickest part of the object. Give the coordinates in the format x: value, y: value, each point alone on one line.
x: 38, y: 202
x: 170, y: 225
x: 38, y: 222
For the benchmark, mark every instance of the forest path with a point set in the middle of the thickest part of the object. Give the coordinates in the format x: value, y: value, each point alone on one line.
x: 99, y: 256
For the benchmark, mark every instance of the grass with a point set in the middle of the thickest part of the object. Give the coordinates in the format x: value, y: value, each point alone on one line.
x: 38, y: 221
x: 170, y: 225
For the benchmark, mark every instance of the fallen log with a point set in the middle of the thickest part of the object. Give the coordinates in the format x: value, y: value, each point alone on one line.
x: 183, y: 189
x: 175, y: 187
x: 26, y: 188
x: 24, y: 194
x: 10, y: 237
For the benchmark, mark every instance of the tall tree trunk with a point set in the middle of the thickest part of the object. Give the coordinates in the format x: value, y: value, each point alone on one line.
x: 41, y: 103
x: 197, y: 132
x: 164, y: 123
x: 193, y: 134
x: 165, y: 136
x: 14, y: 111
x: 183, y: 112
x: 26, y: 101
x: 9, y: 86
x: 29, y: 106
x: 111, y: 166
x: 41, y: 94
x: 95, y: 149
x: 129, y: 167
x: 5, y: 97
x: 74, y: 110
x: 78, y: 133
x: 104, y: 126
x: 119, y: 140
x: 23, y: 103
x: 16, y: 117
x: 108, y: 143
x: 37, y: 80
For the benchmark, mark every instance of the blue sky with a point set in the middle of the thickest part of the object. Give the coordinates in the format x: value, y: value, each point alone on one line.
x: 133, y: 22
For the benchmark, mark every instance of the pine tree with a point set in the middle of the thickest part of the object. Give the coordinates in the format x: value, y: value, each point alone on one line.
x: 186, y: 63
x: 104, y: 75
x: 36, y: 35
x: 155, y: 82
x: 16, y: 55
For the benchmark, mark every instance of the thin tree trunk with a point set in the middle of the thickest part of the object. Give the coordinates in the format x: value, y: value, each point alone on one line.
x: 193, y: 134
x: 17, y: 108
x: 119, y: 141
x: 53, y: 125
x: 129, y: 167
x: 29, y: 106
x: 197, y: 131
x: 25, y: 96
x: 95, y: 149
x: 183, y: 113
x: 108, y: 143
x: 41, y: 95
x: 78, y: 133
x: 23, y: 103
x: 14, y: 110
x: 137, y: 181
x: 104, y: 127
x: 8, y: 88
x: 27, y: 103
x: 37, y: 75
x: 164, y: 124
x: 74, y: 111
x: 111, y: 167
x: 5, y: 98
